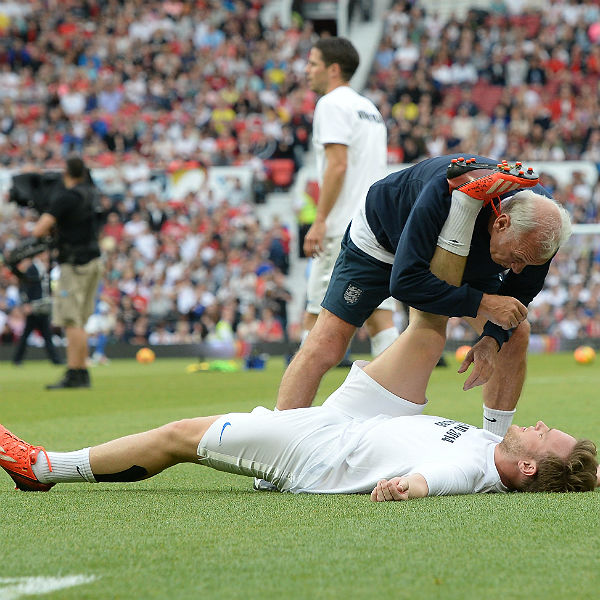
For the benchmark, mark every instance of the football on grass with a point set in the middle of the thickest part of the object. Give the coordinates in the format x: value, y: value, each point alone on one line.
x: 461, y: 353
x: 145, y: 355
x: 584, y: 355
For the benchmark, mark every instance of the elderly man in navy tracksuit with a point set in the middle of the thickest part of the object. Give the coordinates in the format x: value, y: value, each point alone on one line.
x: 388, y: 248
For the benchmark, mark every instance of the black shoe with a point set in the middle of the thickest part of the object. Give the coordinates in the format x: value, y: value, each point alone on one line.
x: 73, y: 378
x: 84, y: 376
x: 442, y: 362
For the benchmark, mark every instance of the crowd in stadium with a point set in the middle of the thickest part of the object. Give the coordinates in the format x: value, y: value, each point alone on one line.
x: 176, y: 81
x: 155, y: 86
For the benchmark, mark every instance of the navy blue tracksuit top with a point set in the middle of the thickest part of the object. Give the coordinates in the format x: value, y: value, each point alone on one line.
x: 406, y: 212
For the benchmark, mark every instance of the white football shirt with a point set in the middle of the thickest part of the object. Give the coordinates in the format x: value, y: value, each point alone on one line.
x: 345, y: 117
x: 453, y: 457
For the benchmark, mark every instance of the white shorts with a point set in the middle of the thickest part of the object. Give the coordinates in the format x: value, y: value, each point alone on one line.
x: 321, y: 268
x: 294, y: 449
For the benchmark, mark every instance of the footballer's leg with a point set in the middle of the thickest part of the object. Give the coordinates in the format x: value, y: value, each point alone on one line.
x: 404, y: 368
x: 143, y: 455
x: 503, y: 389
x: 420, y: 345
x: 131, y: 458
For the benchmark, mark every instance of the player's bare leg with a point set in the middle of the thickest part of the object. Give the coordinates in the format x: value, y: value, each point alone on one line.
x: 405, y: 367
x: 131, y: 458
x: 151, y: 451
x: 308, y: 321
x: 503, y: 389
x: 448, y: 266
x: 324, y: 347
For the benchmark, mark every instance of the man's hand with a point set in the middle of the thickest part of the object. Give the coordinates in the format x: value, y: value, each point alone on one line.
x: 505, y: 311
x: 400, y: 488
x: 483, y: 356
x: 313, y: 241
x: 393, y: 489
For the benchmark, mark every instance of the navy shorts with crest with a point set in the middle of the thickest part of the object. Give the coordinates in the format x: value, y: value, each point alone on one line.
x: 359, y: 284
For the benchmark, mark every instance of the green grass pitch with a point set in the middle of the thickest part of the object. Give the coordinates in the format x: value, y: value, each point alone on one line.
x: 195, y: 533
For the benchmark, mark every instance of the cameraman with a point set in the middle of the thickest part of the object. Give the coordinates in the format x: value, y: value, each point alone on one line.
x: 72, y: 216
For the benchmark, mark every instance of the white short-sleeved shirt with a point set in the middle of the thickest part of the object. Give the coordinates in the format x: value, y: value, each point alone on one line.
x: 360, y: 435
x: 345, y: 117
x: 453, y: 457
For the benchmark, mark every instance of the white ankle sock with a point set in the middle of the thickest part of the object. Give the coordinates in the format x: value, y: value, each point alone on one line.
x: 67, y: 467
x: 497, y: 421
x: 457, y: 231
x: 382, y: 340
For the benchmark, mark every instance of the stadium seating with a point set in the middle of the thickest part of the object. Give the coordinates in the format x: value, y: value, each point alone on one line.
x: 280, y: 172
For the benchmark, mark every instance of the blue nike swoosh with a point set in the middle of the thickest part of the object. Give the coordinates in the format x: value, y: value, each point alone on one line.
x: 222, y: 430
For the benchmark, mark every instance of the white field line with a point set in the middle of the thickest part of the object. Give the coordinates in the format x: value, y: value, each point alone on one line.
x: 12, y: 588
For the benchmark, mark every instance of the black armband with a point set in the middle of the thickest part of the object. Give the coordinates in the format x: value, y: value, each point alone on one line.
x: 495, y: 331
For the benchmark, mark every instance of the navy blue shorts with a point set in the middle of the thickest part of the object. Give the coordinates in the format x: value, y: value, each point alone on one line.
x: 359, y: 284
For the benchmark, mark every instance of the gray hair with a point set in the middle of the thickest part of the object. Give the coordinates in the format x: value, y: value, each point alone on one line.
x: 553, y: 228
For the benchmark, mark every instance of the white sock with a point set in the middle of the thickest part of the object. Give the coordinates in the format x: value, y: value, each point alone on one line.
x: 67, y: 467
x: 457, y: 231
x: 382, y: 340
x: 497, y: 421
x: 305, y: 333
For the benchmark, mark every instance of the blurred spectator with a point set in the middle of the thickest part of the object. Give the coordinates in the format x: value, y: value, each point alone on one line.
x: 269, y: 328
x: 248, y: 328
x: 99, y: 328
x: 147, y: 79
x: 34, y: 286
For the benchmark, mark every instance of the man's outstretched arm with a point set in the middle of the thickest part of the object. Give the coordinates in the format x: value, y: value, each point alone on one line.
x: 400, y: 488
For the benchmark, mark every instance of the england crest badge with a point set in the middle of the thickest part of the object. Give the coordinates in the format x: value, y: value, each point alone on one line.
x: 352, y: 294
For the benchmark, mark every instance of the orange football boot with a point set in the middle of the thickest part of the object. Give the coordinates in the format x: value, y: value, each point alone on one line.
x: 485, y: 181
x: 16, y: 458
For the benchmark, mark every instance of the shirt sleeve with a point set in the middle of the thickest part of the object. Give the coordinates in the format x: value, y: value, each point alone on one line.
x: 412, y: 281
x: 446, y: 479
